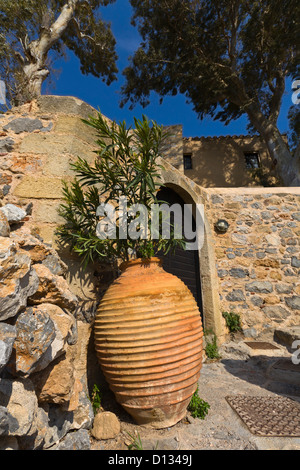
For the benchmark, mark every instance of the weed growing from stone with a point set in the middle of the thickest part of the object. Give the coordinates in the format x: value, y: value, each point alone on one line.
x: 197, y: 406
x: 233, y: 321
x: 211, y: 348
x: 96, y: 398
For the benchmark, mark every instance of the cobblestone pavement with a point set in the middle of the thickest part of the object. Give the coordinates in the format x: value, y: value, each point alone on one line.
x: 222, y: 429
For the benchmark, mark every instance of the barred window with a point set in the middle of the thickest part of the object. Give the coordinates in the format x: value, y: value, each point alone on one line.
x: 187, y: 161
x: 252, y: 160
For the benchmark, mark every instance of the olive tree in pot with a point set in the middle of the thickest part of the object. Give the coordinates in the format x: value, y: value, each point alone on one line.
x: 148, y: 331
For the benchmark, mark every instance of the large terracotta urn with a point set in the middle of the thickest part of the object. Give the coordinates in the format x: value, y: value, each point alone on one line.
x: 148, y: 338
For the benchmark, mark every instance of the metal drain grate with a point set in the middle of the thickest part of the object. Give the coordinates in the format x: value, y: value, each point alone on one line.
x: 268, y: 416
x: 260, y: 345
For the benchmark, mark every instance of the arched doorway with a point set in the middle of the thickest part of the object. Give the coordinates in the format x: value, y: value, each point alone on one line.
x: 182, y: 263
x: 191, y: 193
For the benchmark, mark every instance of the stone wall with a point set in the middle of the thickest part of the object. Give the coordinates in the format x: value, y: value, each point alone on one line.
x: 38, y: 142
x: 258, y: 259
x: 44, y: 344
x: 45, y: 321
x: 172, y: 148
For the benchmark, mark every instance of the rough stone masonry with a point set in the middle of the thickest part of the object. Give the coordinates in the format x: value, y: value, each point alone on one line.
x: 258, y: 259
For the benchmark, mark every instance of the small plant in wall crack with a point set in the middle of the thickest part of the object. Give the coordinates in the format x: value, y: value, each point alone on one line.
x: 211, y: 348
x: 96, y: 398
x: 233, y: 321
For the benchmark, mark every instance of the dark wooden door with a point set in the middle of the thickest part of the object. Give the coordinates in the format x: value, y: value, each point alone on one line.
x: 183, y: 263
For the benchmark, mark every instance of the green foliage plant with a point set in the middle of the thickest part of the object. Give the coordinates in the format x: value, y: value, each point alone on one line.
x: 96, y: 398
x: 127, y: 165
x: 211, y: 348
x: 233, y: 321
x: 197, y: 406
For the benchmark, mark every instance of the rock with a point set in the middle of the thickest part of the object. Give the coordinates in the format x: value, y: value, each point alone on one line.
x: 28, y: 208
x: 222, y: 272
x: 55, y: 384
x: 7, y: 338
x: 6, y: 189
x: 257, y: 301
x: 287, y: 336
x: 17, y: 280
x: 55, y: 264
x: 263, y: 287
x: 6, y: 145
x: 8, y: 424
x: 276, y: 312
x: 34, y: 248
x: 239, y: 272
x: 284, y: 288
x: 47, y: 128
x: 19, y: 125
x: 80, y: 404
x: 13, y: 213
x: 106, y: 426
x: 293, y: 302
x: 35, y: 334
x: 39, y: 251
x: 21, y: 403
x: 236, y: 295
x: 64, y: 326
x: 233, y: 349
x: 250, y: 332
x: 295, y: 262
x: 53, y: 289
x: 296, y: 216
x: 77, y: 440
x: 60, y: 421
x: 286, y: 233
x: 52, y: 424
x: 4, y: 225
x: 273, y: 239
x: 238, y: 238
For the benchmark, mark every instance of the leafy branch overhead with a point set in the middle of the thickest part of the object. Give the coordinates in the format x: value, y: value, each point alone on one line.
x: 34, y: 33
x: 126, y: 165
x: 229, y: 58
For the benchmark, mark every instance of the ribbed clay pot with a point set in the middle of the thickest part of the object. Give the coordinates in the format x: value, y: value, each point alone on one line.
x: 148, y: 338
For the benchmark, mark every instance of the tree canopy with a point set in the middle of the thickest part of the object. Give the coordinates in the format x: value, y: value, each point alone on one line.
x: 228, y: 57
x: 33, y: 33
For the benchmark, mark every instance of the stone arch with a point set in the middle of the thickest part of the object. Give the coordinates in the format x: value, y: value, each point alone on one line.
x: 191, y: 193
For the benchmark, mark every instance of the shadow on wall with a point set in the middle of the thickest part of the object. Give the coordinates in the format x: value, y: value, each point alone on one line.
x: 87, y: 283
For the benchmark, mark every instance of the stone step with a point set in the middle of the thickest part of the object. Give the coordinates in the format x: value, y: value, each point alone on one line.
x: 288, y: 336
x: 285, y: 370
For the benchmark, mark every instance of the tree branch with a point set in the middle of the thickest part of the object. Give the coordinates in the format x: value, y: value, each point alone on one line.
x: 39, y: 48
x: 82, y: 35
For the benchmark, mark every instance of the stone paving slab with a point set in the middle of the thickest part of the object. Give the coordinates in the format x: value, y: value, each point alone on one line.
x: 222, y: 429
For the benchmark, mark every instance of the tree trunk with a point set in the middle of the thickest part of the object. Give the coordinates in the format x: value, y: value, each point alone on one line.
x: 35, y: 74
x: 35, y: 68
x: 288, y: 168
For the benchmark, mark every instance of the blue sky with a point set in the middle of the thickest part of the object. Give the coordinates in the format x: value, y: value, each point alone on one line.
x: 174, y: 110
